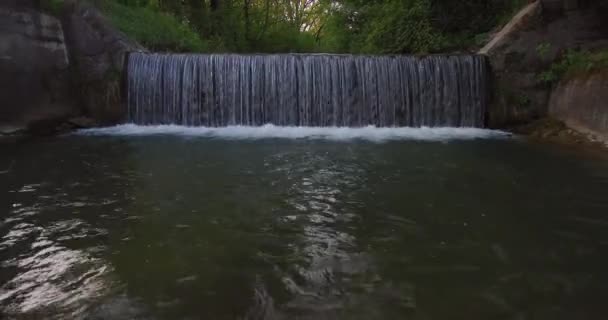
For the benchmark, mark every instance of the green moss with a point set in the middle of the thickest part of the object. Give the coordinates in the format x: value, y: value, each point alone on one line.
x: 153, y: 29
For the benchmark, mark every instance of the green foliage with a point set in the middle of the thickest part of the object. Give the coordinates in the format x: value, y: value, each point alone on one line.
x: 338, y: 26
x: 53, y: 7
x: 153, y: 29
x: 551, y: 76
x: 398, y: 28
x: 393, y: 26
x: 412, y: 26
x: 217, y: 25
x: 574, y: 62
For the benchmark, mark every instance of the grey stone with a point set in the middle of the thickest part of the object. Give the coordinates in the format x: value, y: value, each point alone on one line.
x: 99, y: 52
x: 34, y: 68
x: 52, y: 71
x: 11, y: 130
x: 517, y: 60
x: 82, y: 122
x: 581, y: 102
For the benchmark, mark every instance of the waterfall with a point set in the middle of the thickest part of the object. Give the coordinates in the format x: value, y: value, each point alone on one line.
x: 319, y: 90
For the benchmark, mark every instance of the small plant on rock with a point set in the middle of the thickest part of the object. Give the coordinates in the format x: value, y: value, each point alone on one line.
x: 543, y: 49
x: 574, y: 62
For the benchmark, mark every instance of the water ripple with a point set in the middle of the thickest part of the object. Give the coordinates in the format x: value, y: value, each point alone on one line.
x: 50, y: 276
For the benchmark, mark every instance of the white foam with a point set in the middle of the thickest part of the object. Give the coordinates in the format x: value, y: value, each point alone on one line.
x: 321, y: 133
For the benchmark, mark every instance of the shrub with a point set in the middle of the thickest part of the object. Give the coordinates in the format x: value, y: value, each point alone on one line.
x: 574, y: 62
x: 153, y: 29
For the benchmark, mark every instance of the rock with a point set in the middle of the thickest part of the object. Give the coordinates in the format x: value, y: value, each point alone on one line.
x: 82, y: 122
x: 57, y: 75
x: 554, y: 130
x: 33, y: 4
x: 186, y: 279
x: 529, y: 45
x: 34, y: 67
x: 581, y: 102
x: 11, y: 130
x: 99, y: 52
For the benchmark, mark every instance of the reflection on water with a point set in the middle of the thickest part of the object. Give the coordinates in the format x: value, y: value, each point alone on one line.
x: 51, y: 252
x: 52, y: 276
x: 318, y: 283
x: 187, y: 228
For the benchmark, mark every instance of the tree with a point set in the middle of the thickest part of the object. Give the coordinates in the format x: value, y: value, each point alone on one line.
x: 356, y: 26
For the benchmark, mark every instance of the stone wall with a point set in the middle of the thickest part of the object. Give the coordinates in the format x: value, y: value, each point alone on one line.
x: 34, y: 67
x: 581, y: 102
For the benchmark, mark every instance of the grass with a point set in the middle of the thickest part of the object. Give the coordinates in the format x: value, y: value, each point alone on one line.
x: 155, y: 30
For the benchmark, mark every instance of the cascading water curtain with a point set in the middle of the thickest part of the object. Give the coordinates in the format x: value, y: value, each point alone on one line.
x: 307, y: 90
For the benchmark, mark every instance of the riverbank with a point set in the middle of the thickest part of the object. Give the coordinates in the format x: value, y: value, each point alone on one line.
x: 554, y: 131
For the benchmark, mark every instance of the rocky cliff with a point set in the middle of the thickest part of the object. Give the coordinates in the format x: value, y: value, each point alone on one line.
x: 581, y: 102
x: 98, y: 54
x: 34, y: 68
x: 535, y: 39
x: 53, y: 71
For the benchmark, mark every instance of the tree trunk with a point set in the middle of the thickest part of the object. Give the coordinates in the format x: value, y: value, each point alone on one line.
x: 196, y: 14
x: 247, y: 20
x: 266, y: 20
x: 215, y: 5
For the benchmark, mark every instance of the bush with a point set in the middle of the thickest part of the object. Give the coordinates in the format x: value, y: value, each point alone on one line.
x: 393, y: 27
x: 340, y: 26
x: 413, y: 26
x: 574, y: 62
x: 153, y: 29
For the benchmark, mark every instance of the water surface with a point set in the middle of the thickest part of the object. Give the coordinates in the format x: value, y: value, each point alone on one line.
x: 204, y: 226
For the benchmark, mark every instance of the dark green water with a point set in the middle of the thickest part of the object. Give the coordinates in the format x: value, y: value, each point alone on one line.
x: 165, y: 227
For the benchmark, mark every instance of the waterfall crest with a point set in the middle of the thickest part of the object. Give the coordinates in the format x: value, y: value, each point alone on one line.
x: 307, y: 90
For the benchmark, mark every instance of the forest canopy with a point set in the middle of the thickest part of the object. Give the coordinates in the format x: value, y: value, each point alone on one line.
x: 333, y: 26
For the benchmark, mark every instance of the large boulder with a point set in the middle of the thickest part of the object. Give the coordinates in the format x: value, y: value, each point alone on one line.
x: 34, y: 67
x: 99, y: 54
x: 529, y: 45
x: 52, y: 71
x: 581, y: 102
x: 32, y: 4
